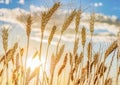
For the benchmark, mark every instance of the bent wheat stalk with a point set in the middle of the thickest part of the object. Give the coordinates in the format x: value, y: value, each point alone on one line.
x: 65, y: 25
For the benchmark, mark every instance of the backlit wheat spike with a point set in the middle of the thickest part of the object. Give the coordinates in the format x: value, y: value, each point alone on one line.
x: 43, y: 22
x: 47, y: 15
x: 5, y: 38
x: 118, y: 43
x: 1, y: 71
x: 79, y: 60
x: 83, y: 36
x: 51, y: 35
x: 88, y: 68
x: 34, y: 73
x: 28, y: 25
x: 110, y: 49
x: 71, y: 60
x: 63, y: 65
x: 72, y: 73
x: 59, y: 54
x: 89, y: 51
x: 35, y: 54
x: 92, y: 21
x: 96, y: 58
x: 75, y: 58
x: 21, y: 52
x: 102, y: 69
x: 78, y: 17
x: 68, y: 21
x: 10, y: 53
x: 108, y: 81
x: 76, y: 46
x: 52, y: 11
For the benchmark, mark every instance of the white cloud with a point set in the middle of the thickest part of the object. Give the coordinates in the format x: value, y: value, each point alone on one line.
x: 1, y: 1
x: 8, y: 15
x: 21, y: 1
x: 103, y: 22
x: 98, y: 4
x: 5, y: 1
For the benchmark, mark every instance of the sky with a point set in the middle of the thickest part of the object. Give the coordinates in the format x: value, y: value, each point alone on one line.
x: 107, y: 7
x: 14, y: 12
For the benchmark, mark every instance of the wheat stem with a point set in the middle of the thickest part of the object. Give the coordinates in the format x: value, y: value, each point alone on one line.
x: 58, y: 43
x: 41, y: 45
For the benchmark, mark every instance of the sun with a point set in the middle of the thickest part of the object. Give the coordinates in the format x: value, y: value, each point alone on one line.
x: 33, y: 63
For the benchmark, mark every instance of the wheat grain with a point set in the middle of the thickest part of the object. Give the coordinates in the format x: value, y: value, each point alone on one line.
x: 52, y: 11
x: 68, y: 21
x: 110, y: 49
x: 71, y: 62
x: 118, y: 43
x: 5, y: 38
x: 89, y: 51
x: 92, y: 20
x: 83, y: 36
x: 63, y: 65
x: 28, y: 25
x: 1, y: 71
x: 96, y: 58
x: 59, y: 54
x: 108, y: 81
x: 77, y: 19
x: 47, y: 15
x: 76, y: 46
x: 34, y: 73
x: 51, y: 34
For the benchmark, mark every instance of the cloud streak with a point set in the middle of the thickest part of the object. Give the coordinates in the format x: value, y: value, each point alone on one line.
x: 21, y: 1
x: 4, y: 1
x: 98, y: 4
x: 109, y: 23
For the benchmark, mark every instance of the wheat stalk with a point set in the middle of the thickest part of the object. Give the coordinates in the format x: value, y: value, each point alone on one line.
x: 54, y: 63
x: 65, y: 25
x: 45, y: 18
x: 28, y: 31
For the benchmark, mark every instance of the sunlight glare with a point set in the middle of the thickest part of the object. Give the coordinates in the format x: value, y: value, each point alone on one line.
x: 33, y: 63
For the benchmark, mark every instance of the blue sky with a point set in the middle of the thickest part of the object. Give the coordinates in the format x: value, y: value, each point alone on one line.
x: 106, y: 26
x: 107, y: 7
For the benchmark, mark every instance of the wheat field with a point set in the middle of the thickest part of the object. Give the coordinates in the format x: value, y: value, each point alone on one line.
x: 77, y: 67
